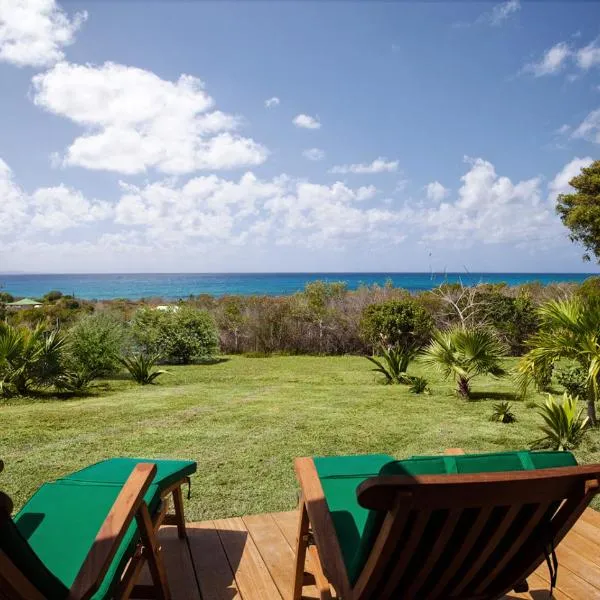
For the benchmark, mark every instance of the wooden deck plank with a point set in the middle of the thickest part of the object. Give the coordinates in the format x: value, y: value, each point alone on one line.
x: 213, y: 571
x: 570, y: 584
x: 178, y: 565
x: 251, y: 574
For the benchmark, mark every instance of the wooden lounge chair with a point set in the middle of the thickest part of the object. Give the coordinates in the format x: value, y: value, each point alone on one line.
x: 88, y: 535
x: 453, y: 527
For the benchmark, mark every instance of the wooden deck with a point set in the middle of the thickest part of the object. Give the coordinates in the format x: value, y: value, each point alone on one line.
x: 251, y: 558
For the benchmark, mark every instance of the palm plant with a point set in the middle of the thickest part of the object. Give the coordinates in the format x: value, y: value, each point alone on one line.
x: 564, y: 426
x: 463, y: 353
x: 569, y: 329
x: 29, y: 357
x: 503, y: 413
x: 140, y: 367
x: 419, y: 385
x: 393, y: 363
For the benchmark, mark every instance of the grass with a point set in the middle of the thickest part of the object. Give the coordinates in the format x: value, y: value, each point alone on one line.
x: 245, y: 419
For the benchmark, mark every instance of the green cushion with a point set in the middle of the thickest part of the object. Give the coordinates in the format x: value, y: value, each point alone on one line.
x: 356, y: 527
x: 117, y: 470
x: 60, y: 523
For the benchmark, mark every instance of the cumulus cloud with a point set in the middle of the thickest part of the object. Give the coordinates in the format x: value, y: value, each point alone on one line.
x: 379, y: 165
x: 34, y: 32
x: 134, y: 120
x: 588, y: 56
x: 272, y: 102
x: 306, y: 122
x: 501, y: 12
x: 314, y: 154
x: 560, y: 183
x: 589, y: 128
x: 50, y: 209
x: 552, y: 62
x: 436, y: 191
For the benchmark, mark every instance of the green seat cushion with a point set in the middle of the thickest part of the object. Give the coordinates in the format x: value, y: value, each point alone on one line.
x: 356, y: 527
x: 58, y: 526
x: 117, y: 470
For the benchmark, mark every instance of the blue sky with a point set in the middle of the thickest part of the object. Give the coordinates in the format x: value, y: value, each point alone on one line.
x: 293, y: 136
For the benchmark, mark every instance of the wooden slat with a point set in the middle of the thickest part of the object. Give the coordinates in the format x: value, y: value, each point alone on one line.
x: 251, y: 574
x: 215, y: 577
x: 538, y: 589
x: 570, y: 584
x: 178, y: 565
x: 274, y: 549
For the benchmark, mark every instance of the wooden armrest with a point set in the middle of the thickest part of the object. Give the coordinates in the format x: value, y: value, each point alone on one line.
x: 454, y: 451
x: 322, y: 526
x: 112, y: 531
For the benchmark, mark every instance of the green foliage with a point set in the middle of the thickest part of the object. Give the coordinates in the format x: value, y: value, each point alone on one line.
x: 464, y: 353
x: 180, y: 335
x: 96, y: 342
x: 52, y: 296
x: 29, y: 358
x: 542, y: 376
x: 5, y: 297
x: 564, y: 426
x: 580, y: 210
x: 419, y: 385
x: 589, y: 290
x: 503, y: 413
x: 74, y: 379
x: 569, y: 329
x: 393, y: 364
x: 402, y: 323
x: 573, y: 379
x: 140, y: 367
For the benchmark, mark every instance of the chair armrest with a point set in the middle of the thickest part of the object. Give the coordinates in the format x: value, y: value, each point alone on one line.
x: 454, y: 451
x: 112, y: 531
x: 322, y: 526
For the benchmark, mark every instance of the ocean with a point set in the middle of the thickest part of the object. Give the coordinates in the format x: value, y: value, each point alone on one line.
x: 173, y: 286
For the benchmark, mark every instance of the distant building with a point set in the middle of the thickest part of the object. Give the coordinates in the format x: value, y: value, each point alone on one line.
x: 167, y: 307
x: 24, y: 304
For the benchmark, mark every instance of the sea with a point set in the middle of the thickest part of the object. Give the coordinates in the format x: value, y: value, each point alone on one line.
x: 173, y: 286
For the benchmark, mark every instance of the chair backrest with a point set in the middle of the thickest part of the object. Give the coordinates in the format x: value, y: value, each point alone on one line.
x: 474, y: 536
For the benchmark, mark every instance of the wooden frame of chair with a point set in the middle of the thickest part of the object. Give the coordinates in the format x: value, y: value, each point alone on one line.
x: 177, y: 517
x: 486, y: 540
x: 128, y: 505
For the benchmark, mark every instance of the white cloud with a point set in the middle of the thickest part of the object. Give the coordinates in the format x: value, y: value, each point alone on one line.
x: 379, y: 165
x: 134, y: 120
x: 553, y: 61
x: 436, y: 191
x: 51, y: 209
x: 563, y: 129
x: 501, y: 12
x: 588, y: 56
x: 589, y: 128
x: 306, y: 122
x: 314, y: 154
x: 34, y: 32
x: 492, y: 209
x: 560, y: 183
x: 271, y: 102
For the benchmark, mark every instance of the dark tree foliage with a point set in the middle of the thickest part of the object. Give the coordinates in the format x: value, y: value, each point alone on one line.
x: 580, y: 210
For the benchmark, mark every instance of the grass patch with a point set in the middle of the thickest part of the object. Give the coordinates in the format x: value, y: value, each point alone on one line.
x: 245, y: 420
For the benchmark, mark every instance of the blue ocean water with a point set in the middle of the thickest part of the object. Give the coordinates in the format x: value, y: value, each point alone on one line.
x: 180, y: 285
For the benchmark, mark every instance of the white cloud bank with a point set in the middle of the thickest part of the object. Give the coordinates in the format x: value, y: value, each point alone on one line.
x: 306, y: 122
x: 34, y: 32
x: 436, y: 191
x: 134, y: 120
x: 379, y: 165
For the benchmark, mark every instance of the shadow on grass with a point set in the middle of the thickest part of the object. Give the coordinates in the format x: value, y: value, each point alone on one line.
x: 479, y: 396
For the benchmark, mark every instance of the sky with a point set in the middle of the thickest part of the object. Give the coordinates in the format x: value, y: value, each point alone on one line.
x: 155, y: 136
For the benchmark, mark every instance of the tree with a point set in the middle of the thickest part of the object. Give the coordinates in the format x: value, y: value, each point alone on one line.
x: 580, y: 211
x: 569, y: 329
x: 463, y: 353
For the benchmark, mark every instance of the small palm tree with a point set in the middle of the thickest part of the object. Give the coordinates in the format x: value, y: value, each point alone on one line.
x: 463, y: 353
x: 569, y: 329
x: 140, y: 367
x: 564, y: 425
x: 393, y: 363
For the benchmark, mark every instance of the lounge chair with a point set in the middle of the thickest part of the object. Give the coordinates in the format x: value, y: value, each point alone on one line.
x: 458, y: 526
x: 88, y: 535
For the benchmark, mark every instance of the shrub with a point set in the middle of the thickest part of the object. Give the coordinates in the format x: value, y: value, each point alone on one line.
x: 52, y: 296
x: 140, y: 367
x: 503, y: 413
x: 419, y: 385
x: 564, y: 426
x: 393, y: 364
x: 74, y: 380
x: 96, y: 342
x: 542, y: 376
x: 573, y: 379
x: 179, y: 336
x: 402, y: 323
x: 5, y: 297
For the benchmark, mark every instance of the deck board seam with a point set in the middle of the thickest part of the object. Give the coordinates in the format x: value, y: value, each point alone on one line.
x: 543, y: 575
x: 189, y: 547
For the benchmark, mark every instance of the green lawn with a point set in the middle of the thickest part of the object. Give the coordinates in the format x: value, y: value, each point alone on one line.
x: 245, y: 419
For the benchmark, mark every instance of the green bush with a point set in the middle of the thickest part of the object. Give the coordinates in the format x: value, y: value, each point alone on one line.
x: 96, y: 342
x: 564, y: 426
x: 141, y: 368
x: 52, y: 296
x: 180, y: 335
x: 419, y: 385
x: 503, y: 413
x: 402, y: 323
x: 393, y: 364
x: 5, y: 297
x: 573, y: 379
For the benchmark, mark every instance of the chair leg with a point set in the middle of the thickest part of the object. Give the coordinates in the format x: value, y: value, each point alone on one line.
x: 179, y: 516
x: 522, y: 586
x: 301, y: 545
x: 153, y: 554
